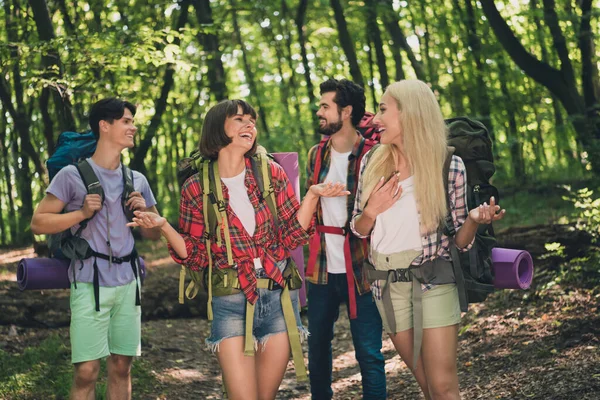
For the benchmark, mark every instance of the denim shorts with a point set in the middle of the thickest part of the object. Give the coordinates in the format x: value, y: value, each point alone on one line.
x: 229, y: 317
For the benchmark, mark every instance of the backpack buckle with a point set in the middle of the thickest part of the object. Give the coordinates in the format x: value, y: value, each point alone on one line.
x: 221, y: 206
x: 400, y: 275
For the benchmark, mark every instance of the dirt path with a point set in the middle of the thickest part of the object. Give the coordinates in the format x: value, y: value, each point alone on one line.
x: 509, y: 349
x: 539, y: 344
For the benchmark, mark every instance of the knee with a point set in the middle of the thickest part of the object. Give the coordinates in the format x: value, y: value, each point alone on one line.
x: 120, y: 366
x: 443, y: 389
x: 86, y: 374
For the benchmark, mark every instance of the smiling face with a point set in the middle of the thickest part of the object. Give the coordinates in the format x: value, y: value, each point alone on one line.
x: 330, y: 116
x: 241, y: 128
x: 388, y: 120
x: 121, y: 131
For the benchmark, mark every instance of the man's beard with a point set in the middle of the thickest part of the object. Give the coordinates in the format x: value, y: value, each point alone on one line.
x: 330, y: 129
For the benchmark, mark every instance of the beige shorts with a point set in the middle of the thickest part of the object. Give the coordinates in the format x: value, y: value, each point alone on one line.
x: 440, y: 306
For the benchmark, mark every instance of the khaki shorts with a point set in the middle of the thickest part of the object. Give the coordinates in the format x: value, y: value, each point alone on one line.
x: 440, y: 307
x: 115, y: 329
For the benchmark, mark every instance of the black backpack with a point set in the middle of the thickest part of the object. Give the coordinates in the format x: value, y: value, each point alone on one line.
x: 472, y: 143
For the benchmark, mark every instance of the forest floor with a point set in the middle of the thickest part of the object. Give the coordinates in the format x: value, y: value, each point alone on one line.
x: 543, y: 343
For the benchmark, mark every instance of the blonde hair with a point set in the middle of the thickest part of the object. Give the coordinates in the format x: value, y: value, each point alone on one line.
x: 424, y: 136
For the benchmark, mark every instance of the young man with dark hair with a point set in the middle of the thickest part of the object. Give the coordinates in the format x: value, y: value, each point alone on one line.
x: 335, y: 272
x: 105, y: 310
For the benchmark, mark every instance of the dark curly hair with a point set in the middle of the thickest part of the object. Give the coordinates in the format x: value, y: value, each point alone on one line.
x: 347, y: 93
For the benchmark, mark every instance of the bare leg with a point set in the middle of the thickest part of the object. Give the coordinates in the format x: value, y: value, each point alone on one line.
x: 439, y: 361
x: 271, y: 362
x: 239, y: 371
x: 84, y: 380
x: 119, y: 377
x: 403, y: 342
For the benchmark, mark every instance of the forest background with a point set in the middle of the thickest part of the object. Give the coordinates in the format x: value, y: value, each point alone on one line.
x: 528, y: 69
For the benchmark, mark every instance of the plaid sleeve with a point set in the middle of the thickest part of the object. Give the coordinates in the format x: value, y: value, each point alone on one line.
x: 310, y: 167
x: 191, y: 226
x: 458, y: 195
x: 292, y: 233
x: 357, y: 201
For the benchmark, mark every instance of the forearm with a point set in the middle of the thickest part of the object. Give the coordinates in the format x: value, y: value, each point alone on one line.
x: 307, y: 209
x: 50, y: 223
x: 364, y: 223
x: 175, y: 240
x: 150, y: 233
x: 466, y: 233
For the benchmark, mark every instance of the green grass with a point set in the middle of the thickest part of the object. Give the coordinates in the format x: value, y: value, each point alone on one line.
x: 534, y: 208
x: 46, y: 372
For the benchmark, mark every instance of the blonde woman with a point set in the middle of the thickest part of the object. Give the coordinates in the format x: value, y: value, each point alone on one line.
x: 401, y: 204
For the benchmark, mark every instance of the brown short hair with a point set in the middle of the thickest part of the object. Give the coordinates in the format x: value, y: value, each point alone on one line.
x: 213, y: 137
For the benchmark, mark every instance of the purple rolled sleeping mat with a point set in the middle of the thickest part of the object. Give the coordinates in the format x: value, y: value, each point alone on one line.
x: 50, y: 273
x: 513, y: 269
x: 289, y: 163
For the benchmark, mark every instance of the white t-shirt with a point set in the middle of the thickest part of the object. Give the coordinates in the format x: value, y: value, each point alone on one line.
x: 335, y: 213
x: 397, y: 229
x: 241, y: 205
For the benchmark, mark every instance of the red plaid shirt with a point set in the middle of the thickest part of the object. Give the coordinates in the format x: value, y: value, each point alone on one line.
x: 267, y: 244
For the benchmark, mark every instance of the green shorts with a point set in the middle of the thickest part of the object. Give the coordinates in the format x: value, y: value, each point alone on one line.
x: 440, y: 306
x: 115, y: 329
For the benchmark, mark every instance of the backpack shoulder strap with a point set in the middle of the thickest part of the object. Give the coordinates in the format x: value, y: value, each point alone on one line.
x: 262, y: 173
x: 128, y: 188
x: 92, y: 186
x: 319, y: 159
x: 449, y: 224
x: 212, y: 180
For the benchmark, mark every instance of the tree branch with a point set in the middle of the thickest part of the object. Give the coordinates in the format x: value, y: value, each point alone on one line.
x: 539, y: 71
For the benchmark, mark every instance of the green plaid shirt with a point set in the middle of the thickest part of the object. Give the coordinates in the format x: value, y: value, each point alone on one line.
x: 356, y: 244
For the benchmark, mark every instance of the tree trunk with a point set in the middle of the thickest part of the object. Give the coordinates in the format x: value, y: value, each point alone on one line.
x: 561, y: 83
x: 312, y: 101
x: 589, y: 69
x: 210, y: 42
x: 347, y: 42
x: 371, y: 71
x: 288, y: 55
x: 161, y: 103
x: 390, y: 18
x: 483, y: 98
x: 11, y: 211
x: 249, y: 73
x: 512, y: 133
x: 375, y: 41
x: 48, y: 124
x: 41, y: 15
x: 431, y: 69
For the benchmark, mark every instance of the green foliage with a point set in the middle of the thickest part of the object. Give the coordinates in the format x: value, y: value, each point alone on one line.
x: 124, y: 49
x: 588, y: 210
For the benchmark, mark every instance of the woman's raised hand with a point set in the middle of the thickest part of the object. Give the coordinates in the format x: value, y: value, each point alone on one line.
x: 329, y: 190
x: 146, y: 219
x: 383, y: 196
x: 485, y: 214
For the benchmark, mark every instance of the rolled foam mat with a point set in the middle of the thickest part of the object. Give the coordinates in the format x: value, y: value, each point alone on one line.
x: 49, y: 273
x: 289, y: 163
x: 513, y: 269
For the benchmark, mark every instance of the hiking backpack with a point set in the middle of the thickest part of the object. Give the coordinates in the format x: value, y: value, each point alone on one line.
x: 73, y: 149
x: 472, y: 143
x: 215, y: 218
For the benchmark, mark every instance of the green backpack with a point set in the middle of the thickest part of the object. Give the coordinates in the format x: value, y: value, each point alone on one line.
x: 472, y: 143
x: 223, y: 282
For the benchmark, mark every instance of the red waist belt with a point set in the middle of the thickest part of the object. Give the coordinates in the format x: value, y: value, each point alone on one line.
x: 315, y: 242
